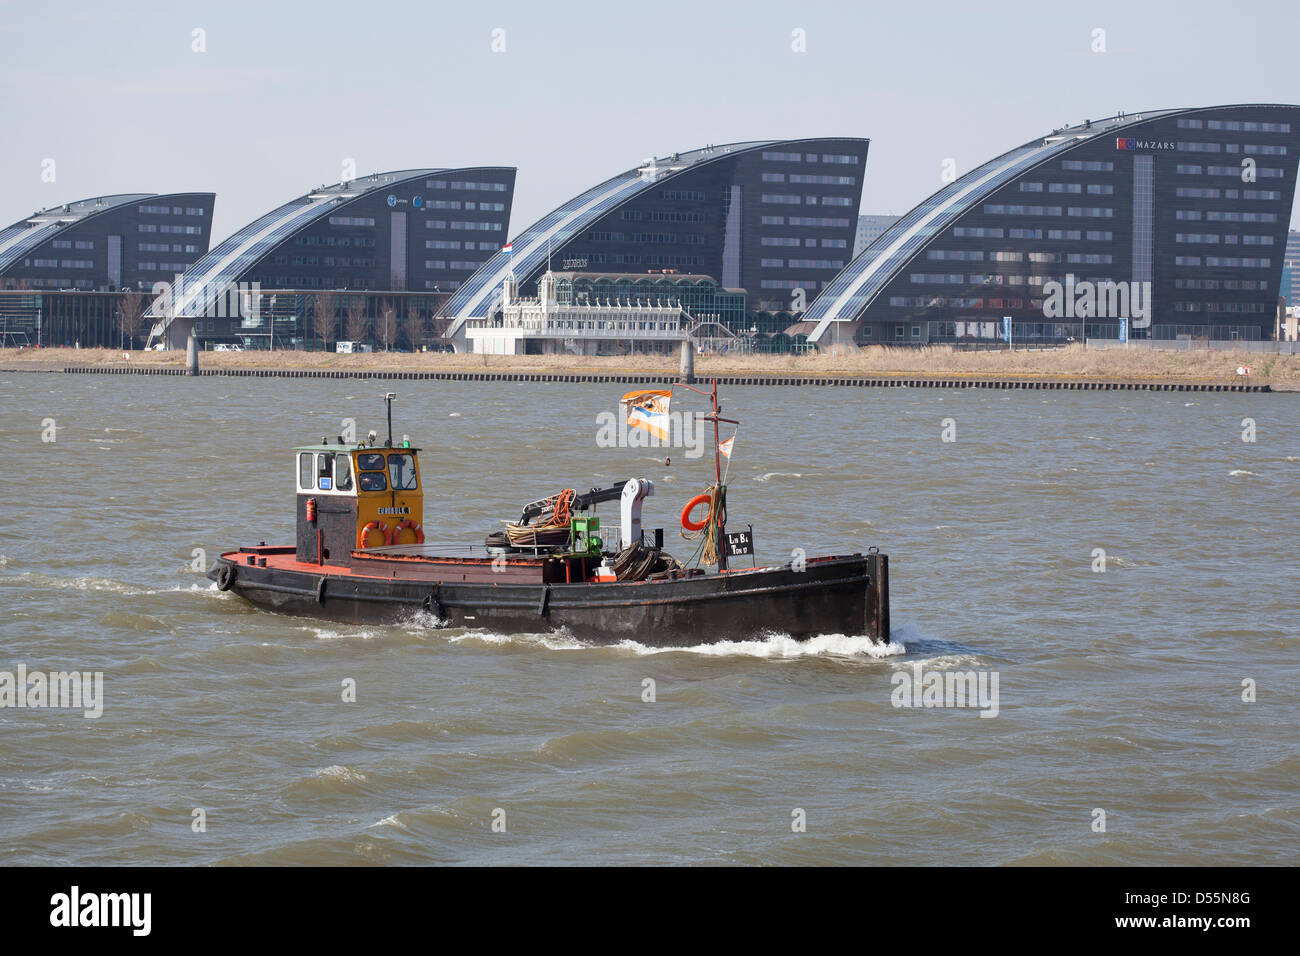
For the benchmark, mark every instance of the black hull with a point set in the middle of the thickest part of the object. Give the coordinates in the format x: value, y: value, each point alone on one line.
x: 840, y: 595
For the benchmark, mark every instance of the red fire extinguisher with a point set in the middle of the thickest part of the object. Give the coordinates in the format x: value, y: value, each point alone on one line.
x: 311, y: 509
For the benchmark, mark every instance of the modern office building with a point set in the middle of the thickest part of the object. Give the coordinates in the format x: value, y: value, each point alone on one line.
x: 870, y: 228
x: 774, y: 218
x: 414, y: 231
x: 127, y: 241
x: 1176, y: 217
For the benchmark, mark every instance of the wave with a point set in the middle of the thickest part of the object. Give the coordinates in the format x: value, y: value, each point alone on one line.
x: 1242, y: 471
x: 341, y: 773
x: 781, y: 646
x: 768, y: 645
x: 325, y: 634
x: 779, y: 474
x: 76, y: 584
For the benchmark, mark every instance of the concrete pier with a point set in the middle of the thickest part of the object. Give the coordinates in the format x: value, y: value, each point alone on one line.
x: 687, y: 370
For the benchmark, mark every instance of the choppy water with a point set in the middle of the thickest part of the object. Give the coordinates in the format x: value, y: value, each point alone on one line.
x: 1118, y: 690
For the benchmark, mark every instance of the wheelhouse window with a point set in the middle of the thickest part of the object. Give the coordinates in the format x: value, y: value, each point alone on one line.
x: 325, y: 472
x: 305, y: 482
x: 342, y: 473
x: 371, y: 481
x: 401, y: 472
x: 370, y: 462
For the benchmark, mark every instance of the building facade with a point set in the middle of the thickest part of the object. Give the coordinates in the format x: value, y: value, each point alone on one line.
x: 870, y: 228
x: 774, y: 218
x: 411, y: 231
x: 1290, y: 284
x: 1165, y: 224
x: 107, y: 243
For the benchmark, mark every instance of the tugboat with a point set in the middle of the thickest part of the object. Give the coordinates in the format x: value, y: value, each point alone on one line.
x: 361, y: 557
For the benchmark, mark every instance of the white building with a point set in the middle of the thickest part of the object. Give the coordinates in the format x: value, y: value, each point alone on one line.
x: 548, y: 325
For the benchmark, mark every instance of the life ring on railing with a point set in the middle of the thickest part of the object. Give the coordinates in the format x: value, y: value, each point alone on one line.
x: 687, y: 523
x: 365, y: 533
x: 404, y: 525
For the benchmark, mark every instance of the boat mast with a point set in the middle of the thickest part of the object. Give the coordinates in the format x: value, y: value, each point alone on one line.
x: 720, y: 521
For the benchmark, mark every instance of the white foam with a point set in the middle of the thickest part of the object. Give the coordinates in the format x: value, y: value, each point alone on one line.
x: 941, y: 662
x: 781, y: 646
x: 779, y: 474
x: 1241, y: 471
x: 325, y: 634
x: 337, y: 772
x: 766, y: 645
x: 80, y: 584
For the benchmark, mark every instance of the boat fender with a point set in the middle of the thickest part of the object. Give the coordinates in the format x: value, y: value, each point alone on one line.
x: 226, y: 577
x: 687, y: 523
x: 365, y: 533
x: 404, y: 524
x: 434, y: 607
x: 320, y: 590
x: 544, y: 604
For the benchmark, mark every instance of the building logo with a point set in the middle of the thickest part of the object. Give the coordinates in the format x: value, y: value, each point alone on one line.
x: 1128, y: 144
x: 417, y: 202
x: 392, y: 200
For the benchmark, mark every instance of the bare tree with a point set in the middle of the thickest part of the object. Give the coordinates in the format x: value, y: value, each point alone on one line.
x: 411, y: 326
x: 322, y: 317
x: 387, y: 323
x: 357, y: 320
x: 130, y: 307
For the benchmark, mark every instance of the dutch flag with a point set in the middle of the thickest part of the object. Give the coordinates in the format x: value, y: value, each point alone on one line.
x: 508, y: 248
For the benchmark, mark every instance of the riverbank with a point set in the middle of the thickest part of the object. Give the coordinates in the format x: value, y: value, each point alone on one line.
x: 1072, y: 366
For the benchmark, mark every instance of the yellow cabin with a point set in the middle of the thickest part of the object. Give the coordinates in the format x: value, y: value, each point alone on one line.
x: 356, y: 497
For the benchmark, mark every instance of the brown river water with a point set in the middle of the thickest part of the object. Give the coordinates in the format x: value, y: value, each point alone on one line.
x: 224, y: 737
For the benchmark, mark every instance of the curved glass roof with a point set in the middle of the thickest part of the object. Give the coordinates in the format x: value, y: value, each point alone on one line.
x: 25, y: 235
x: 206, y: 278
x: 475, y: 297
x: 849, y: 294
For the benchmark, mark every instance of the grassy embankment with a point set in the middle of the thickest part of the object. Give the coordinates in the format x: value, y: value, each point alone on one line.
x: 1074, y: 363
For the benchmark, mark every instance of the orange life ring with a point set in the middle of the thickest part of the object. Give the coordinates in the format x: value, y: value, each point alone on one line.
x: 365, y: 533
x: 406, y: 523
x: 687, y: 523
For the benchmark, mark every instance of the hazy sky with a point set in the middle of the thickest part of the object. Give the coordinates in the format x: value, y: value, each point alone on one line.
x: 285, y: 93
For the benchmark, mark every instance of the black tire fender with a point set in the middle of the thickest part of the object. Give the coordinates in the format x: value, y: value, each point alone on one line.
x: 434, y: 607
x: 226, y: 577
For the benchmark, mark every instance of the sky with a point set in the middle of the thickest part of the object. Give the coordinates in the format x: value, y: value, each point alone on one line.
x: 118, y: 97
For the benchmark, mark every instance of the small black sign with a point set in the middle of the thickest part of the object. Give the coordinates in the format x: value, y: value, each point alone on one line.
x: 740, y: 542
